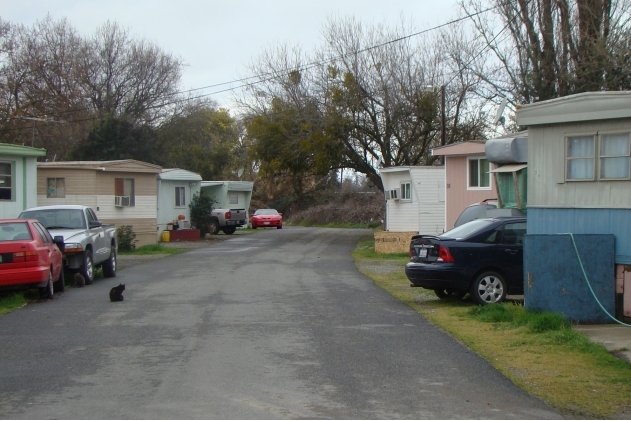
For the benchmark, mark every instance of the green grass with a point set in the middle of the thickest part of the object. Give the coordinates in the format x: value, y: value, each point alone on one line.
x: 538, y: 351
x: 11, y: 301
x: 152, y: 249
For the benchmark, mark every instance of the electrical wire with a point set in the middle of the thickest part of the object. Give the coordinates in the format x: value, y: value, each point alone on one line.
x: 273, y: 75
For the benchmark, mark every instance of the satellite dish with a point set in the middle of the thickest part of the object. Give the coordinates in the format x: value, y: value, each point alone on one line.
x: 499, y: 118
x: 240, y: 172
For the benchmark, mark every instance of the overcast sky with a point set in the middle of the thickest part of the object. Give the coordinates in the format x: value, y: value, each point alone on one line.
x: 218, y: 39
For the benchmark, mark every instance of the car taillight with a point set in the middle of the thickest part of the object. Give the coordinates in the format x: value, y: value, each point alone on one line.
x: 26, y: 256
x: 444, y: 255
x: 227, y: 215
x: 411, y: 252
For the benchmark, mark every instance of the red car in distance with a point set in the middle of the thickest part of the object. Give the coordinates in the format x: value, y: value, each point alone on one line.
x: 266, y: 218
x: 30, y: 257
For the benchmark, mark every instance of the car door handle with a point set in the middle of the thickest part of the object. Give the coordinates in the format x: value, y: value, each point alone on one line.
x: 511, y: 251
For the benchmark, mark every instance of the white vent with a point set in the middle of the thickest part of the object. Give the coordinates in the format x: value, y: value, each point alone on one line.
x: 122, y: 201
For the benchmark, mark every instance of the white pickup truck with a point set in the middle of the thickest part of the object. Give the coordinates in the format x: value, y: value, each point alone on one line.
x: 227, y: 220
x: 88, y: 243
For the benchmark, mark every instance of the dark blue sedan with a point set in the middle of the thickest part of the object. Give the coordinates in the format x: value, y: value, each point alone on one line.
x: 483, y: 257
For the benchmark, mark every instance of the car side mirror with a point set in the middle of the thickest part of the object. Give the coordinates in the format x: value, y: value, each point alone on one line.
x: 59, y: 242
x: 95, y: 224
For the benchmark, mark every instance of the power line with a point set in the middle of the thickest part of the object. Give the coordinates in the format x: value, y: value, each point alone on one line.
x: 265, y: 77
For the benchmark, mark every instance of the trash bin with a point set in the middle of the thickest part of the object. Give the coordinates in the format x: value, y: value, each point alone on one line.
x: 165, y: 237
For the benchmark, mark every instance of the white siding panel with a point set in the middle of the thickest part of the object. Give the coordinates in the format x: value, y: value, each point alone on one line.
x: 146, y: 207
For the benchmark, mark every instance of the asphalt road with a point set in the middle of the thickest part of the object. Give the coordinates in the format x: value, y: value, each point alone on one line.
x: 278, y: 324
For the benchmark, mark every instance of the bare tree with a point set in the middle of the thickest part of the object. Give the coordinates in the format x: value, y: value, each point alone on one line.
x: 551, y: 48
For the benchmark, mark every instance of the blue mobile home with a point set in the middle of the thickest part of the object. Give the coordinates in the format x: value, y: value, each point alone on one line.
x: 579, y: 182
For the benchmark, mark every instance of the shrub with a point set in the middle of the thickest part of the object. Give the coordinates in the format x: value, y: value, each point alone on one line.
x: 126, y: 238
x: 201, y: 207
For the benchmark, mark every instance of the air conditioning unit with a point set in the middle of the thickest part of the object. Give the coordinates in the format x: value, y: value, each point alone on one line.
x: 395, y: 194
x: 122, y: 201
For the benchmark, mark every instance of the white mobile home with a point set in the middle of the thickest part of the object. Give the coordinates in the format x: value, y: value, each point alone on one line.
x: 415, y: 199
x: 176, y: 188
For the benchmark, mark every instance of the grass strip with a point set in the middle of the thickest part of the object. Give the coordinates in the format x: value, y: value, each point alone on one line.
x: 151, y: 249
x: 539, y: 352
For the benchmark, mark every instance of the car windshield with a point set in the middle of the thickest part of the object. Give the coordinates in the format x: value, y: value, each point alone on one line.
x: 266, y: 212
x: 57, y: 218
x: 15, y: 231
x: 467, y: 229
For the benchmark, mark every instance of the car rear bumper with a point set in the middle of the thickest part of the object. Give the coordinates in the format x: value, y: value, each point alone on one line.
x: 24, y: 277
x: 437, y: 275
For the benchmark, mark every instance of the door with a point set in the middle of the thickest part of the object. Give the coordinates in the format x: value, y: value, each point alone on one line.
x: 101, y: 246
x: 511, y: 248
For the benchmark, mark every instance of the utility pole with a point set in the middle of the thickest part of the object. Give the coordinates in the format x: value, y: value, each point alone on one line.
x: 443, y: 131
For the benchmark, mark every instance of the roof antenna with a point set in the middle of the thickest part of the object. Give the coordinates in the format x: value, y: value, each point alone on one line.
x: 499, y: 118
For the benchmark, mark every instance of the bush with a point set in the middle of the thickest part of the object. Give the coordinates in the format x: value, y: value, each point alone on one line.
x: 126, y: 238
x: 201, y: 207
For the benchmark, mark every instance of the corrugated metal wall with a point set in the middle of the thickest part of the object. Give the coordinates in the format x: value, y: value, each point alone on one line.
x: 554, y: 280
x: 586, y: 221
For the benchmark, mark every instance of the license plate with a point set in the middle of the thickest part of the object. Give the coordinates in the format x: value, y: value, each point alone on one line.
x: 265, y: 223
x: 422, y: 253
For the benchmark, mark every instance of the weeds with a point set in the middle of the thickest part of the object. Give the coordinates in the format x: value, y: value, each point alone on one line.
x: 12, y: 301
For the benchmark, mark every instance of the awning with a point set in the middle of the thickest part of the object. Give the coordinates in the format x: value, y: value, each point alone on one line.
x: 510, y: 168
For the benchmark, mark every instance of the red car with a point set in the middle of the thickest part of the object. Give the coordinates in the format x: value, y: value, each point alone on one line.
x: 267, y: 218
x: 30, y: 257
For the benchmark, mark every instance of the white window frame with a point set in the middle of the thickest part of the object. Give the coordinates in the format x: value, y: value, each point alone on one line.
x: 129, y: 190
x: 406, y: 191
x: 597, y: 156
x: 468, y: 169
x: 180, y: 195
x: 54, y: 193
x: 11, y: 177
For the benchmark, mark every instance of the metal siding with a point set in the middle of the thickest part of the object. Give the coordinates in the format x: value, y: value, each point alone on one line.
x: 586, y: 221
x: 554, y: 279
x: 546, y: 170
x: 458, y: 197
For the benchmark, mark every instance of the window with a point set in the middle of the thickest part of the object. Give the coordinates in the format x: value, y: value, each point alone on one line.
x: 124, y: 192
x: 614, y: 156
x: 479, y: 177
x: 610, y: 159
x: 6, y: 181
x: 41, y: 231
x: 234, y: 198
x: 56, y: 187
x: 514, y: 233
x: 180, y: 196
x: 580, y: 157
x: 406, y: 190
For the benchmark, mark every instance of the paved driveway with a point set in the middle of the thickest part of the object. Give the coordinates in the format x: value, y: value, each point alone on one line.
x: 278, y: 324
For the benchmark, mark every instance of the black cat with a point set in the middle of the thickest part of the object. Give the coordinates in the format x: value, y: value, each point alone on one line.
x: 79, y: 280
x: 116, y: 293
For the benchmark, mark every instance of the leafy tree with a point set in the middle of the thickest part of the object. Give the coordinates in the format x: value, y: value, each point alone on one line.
x: 204, y: 141
x: 112, y: 139
x: 291, y: 141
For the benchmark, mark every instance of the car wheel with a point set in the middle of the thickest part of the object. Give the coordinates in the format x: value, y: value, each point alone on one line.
x: 488, y: 288
x: 229, y: 230
x: 88, y: 268
x: 213, y: 227
x: 60, y: 283
x: 254, y: 227
x: 109, y: 266
x: 280, y: 227
x: 448, y: 293
x: 47, y: 291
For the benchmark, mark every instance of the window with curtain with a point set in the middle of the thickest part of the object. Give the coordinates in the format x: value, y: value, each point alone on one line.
x: 580, y: 157
x: 479, y: 177
x: 124, y: 188
x: 56, y: 187
x: 615, y: 156
x: 6, y: 181
x: 180, y: 196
